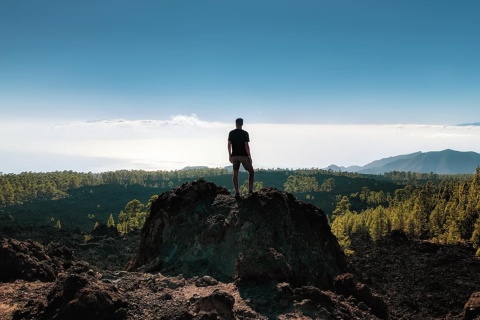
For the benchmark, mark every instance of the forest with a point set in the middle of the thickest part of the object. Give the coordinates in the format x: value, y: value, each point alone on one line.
x: 441, y: 208
x: 28, y: 186
x: 445, y: 211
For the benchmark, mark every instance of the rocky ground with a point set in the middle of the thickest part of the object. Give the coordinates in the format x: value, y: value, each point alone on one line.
x: 54, y: 285
x: 66, y: 274
x: 417, y: 279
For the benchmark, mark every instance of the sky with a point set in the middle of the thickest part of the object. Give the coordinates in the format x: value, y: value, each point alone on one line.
x: 114, y: 84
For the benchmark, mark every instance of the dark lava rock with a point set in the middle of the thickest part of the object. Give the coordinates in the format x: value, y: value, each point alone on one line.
x: 206, y: 281
x: 472, y: 307
x: 31, y: 261
x: 80, y: 297
x: 346, y: 286
x: 418, y: 279
x: 109, y: 253
x: 219, y: 302
x: 200, y: 229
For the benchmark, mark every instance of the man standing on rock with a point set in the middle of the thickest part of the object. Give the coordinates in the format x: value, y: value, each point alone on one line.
x: 239, y: 152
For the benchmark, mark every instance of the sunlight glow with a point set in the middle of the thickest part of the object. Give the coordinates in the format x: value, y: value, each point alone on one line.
x: 189, y: 141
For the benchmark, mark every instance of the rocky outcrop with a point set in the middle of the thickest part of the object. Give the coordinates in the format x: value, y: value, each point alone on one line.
x: 472, y: 307
x: 200, y: 229
x: 76, y: 296
x: 29, y: 260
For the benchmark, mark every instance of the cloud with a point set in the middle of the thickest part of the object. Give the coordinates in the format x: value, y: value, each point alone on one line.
x: 187, y: 140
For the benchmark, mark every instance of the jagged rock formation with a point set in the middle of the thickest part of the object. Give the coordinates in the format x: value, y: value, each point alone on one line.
x: 200, y: 229
x: 29, y: 260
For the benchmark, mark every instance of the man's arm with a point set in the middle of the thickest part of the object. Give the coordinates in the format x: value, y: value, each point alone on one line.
x: 230, y: 151
x: 247, y: 147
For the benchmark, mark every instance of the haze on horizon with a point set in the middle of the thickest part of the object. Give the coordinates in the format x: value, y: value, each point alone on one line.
x: 318, y: 82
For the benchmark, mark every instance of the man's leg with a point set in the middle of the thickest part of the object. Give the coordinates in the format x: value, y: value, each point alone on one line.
x: 235, y: 181
x: 247, y: 165
x: 251, y: 178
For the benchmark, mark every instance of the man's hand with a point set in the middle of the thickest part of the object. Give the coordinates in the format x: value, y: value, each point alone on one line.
x: 250, y: 158
x: 230, y: 159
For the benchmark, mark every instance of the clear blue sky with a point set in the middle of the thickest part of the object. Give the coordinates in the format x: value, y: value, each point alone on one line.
x: 269, y: 61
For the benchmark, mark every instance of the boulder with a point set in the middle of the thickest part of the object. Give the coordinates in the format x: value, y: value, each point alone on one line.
x: 218, y: 303
x: 472, y: 307
x: 75, y: 296
x: 200, y: 229
x: 348, y: 287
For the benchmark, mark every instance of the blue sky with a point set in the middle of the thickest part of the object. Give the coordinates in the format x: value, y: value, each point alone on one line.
x: 331, y: 62
x: 317, y: 82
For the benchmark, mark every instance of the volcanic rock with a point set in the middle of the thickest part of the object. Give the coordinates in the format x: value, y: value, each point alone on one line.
x: 418, y: 279
x: 200, y: 229
x: 79, y: 297
x: 29, y: 260
x: 219, y: 302
x: 472, y: 307
x: 346, y: 285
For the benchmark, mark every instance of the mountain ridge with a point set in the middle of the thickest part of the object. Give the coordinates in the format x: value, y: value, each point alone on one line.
x: 447, y: 161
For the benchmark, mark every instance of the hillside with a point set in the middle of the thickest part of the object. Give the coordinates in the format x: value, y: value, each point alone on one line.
x: 439, y: 162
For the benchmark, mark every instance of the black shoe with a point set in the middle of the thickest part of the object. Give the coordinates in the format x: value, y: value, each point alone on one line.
x: 237, y: 194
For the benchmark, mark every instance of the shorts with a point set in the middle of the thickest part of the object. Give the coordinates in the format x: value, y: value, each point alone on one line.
x: 245, y: 161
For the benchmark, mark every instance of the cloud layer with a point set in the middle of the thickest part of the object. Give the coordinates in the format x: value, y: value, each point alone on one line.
x: 186, y: 141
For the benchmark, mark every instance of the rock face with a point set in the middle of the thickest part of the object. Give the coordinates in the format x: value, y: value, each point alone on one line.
x: 199, y: 229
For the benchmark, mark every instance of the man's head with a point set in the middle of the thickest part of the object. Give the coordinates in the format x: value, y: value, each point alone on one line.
x: 239, y: 122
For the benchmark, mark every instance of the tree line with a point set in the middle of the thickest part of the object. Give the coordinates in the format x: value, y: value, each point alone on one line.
x: 27, y: 186
x: 17, y: 189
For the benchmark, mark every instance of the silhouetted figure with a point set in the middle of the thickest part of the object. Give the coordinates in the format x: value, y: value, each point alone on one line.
x: 239, y: 152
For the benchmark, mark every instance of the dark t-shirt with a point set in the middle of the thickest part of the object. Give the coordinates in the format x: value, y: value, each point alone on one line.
x: 238, y: 137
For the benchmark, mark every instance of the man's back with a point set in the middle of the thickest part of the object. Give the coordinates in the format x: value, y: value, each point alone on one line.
x: 238, y: 137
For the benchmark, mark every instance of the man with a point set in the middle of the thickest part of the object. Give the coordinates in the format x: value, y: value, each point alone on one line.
x: 239, y: 152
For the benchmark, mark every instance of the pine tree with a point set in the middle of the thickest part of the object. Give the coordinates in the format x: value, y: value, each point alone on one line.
x: 343, y: 205
x: 133, y: 207
x: 476, y: 235
x: 111, y: 221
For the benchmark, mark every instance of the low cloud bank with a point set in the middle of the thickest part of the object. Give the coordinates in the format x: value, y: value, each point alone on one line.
x: 187, y: 140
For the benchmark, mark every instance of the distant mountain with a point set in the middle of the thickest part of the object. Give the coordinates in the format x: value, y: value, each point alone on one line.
x: 441, y: 162
x: 195, y: 168
x: 342, y: 168
x: 476, y: 124
x: 386, y: 161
